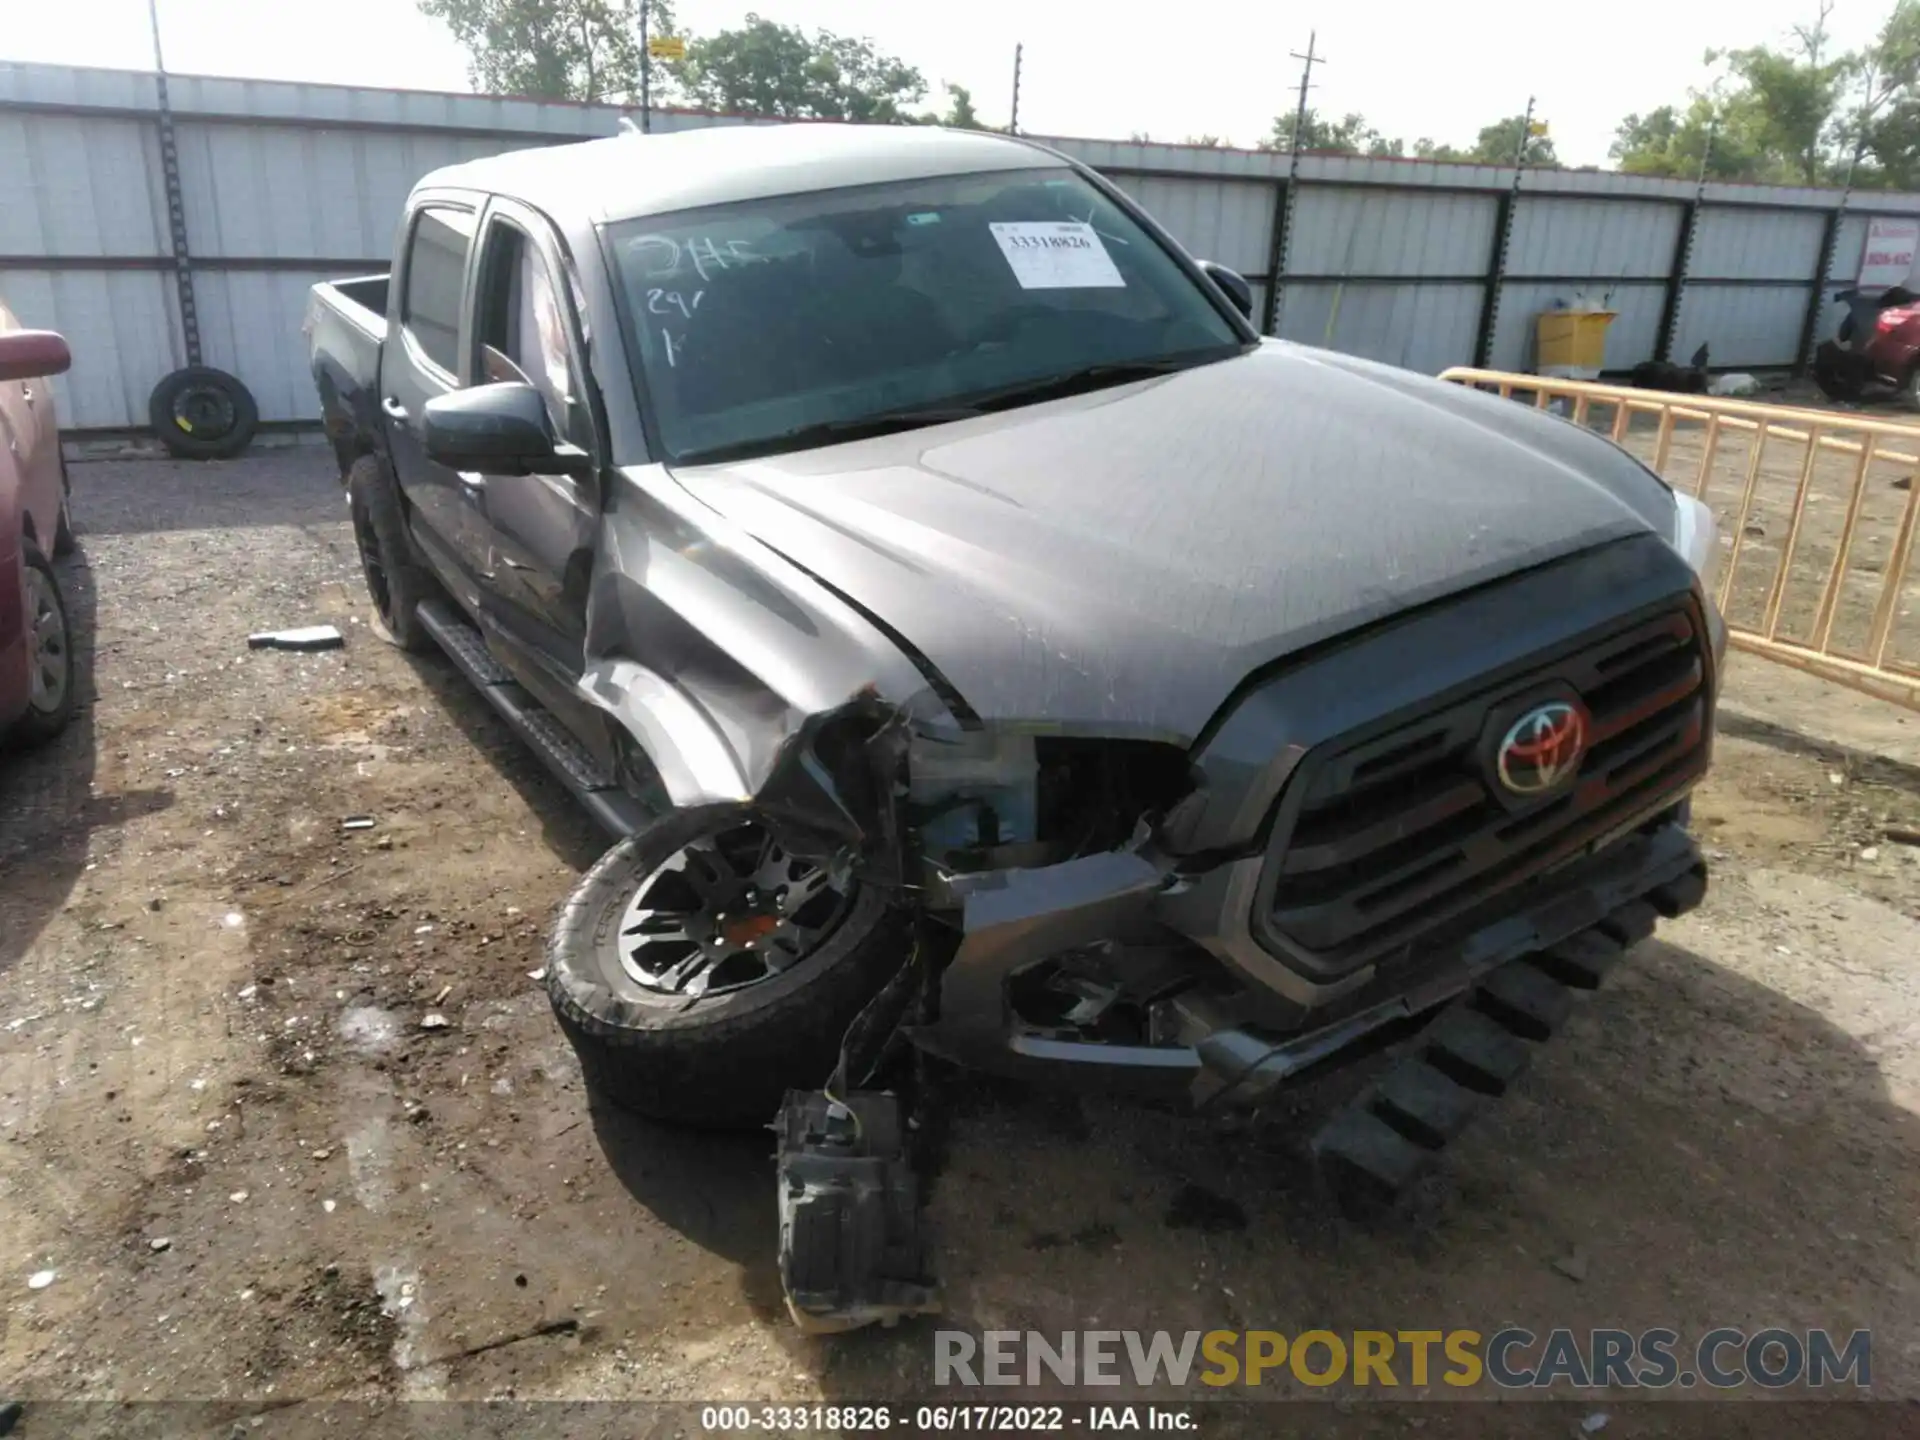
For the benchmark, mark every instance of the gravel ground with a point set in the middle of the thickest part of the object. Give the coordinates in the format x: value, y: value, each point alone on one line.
x: 257, y: 1179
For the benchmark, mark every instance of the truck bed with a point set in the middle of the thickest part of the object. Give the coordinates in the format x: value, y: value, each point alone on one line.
x: 346, y: 326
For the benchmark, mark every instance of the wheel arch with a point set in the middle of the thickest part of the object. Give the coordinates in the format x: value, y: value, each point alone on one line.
x: 736, y: 675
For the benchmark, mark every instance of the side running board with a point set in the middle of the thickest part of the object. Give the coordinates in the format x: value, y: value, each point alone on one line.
x: 1371, y: 1152
x: 617, y: 812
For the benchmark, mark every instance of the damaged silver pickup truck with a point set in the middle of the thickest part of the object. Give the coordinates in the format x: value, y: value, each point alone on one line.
x: 978, y: 636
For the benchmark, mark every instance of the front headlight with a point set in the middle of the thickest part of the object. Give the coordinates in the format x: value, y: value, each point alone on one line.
x: 1697, y: 539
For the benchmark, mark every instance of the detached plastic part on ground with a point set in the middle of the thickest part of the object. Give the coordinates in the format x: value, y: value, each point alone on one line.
x: 852, y: 1252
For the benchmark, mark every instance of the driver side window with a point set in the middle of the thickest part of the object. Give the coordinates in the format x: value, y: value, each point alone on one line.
x: 521, y: 328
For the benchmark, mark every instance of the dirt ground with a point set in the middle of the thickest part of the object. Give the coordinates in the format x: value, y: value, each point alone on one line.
x: 256, y: 1178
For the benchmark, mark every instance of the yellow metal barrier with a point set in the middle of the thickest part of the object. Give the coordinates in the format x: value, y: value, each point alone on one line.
x: 1816, y: 510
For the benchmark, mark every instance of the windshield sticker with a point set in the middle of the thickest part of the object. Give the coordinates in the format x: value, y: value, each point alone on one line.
x: 1056, y: 255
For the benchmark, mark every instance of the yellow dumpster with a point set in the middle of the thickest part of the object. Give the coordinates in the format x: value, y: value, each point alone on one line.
x: 1573, y: 343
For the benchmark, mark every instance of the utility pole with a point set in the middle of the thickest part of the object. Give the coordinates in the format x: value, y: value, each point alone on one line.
x: 1306, y: 83
x: 1013, y: 124
x: 1520, y: 152
x: 1277, y: 292
x: 646, y: 75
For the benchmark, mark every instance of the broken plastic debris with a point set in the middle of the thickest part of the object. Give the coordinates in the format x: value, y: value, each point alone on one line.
x: 159, y: 1243
x: 434, y: 1020
x: 40, y: 1279
x: 305, y: 637
x: 357, y: 822
x: 327, y: 1205
x: 539, y: 974
x: 441, y: 998
x: 237, y: 1196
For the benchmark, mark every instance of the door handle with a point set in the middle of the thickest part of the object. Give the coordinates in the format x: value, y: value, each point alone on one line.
x: 395, y: 410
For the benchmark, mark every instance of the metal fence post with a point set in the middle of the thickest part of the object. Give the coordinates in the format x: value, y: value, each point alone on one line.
x: 1817, y: 296
x: 1496, y: 275
x: 176, y: 199
x: 1676, y: 281
x: 1277, y: 254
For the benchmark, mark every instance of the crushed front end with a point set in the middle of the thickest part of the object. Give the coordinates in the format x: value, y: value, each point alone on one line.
x: 1369, y: 834
x: 1424, y: 839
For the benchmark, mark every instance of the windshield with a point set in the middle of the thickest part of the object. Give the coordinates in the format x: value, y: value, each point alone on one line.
x: 779, y: 323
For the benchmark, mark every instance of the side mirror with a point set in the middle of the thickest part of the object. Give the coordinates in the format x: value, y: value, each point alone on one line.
x: 30, y: 354
x: 1236, y: 288
x: 503, y: 428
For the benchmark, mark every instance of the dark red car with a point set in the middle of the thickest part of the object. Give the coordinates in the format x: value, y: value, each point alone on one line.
x: 1876, y: 348
x: 36, y: 653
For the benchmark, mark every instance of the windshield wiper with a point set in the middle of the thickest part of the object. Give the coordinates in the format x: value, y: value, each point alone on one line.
x: 1096, y: 377
x: 963, y: 407
x: 833, y: 432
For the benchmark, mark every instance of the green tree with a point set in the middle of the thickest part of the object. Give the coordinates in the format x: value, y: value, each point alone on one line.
x: 1788, y: 99
x: 1881, y: 126
x: 1499, y: 144
x: 1349, y: 135
x: 1425, y: 149
x: 1716, y: 136
x: 764, y: 68
x: 960, y: 112
x: 1797, y: 113
x: 553, y: 49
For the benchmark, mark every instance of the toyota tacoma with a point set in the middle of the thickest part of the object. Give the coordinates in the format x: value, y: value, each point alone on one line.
x: 984, y: 644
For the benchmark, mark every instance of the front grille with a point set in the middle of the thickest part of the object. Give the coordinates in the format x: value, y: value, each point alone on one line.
x: 1384, y: 834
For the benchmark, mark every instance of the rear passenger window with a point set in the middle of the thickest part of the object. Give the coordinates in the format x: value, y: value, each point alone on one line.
x: 436, y: 267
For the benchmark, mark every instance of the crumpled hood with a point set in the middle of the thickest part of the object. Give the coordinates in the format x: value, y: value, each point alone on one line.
x: 1118, y: 562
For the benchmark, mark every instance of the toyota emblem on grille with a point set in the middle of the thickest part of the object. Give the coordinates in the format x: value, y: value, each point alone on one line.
x: 1542, y: 748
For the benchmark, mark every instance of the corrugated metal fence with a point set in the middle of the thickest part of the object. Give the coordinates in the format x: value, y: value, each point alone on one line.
x: 1417, y: 264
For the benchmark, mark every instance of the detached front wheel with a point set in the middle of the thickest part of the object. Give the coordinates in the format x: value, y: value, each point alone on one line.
x: 701, y: 969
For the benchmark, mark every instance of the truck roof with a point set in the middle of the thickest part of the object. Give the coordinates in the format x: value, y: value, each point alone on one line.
x: 634, y: 175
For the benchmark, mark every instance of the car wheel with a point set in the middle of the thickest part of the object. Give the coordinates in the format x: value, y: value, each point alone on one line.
x: 50, y: 671
x: 700, y: 970
x: 201, y: 413
x: 64, y: 540
x: 395, y: 582
x: 1837, y: 380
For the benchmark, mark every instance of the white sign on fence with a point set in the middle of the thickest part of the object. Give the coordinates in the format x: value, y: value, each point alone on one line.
x: 1888, y: 257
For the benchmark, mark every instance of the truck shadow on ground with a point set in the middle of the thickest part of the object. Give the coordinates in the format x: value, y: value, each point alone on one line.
x: 714, y: 1188
x: 570, y: 834
x: 1696, y: 1150
x: 48, y: 812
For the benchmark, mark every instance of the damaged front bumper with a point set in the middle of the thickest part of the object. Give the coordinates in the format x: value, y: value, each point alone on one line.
x: 1199, y: 1026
